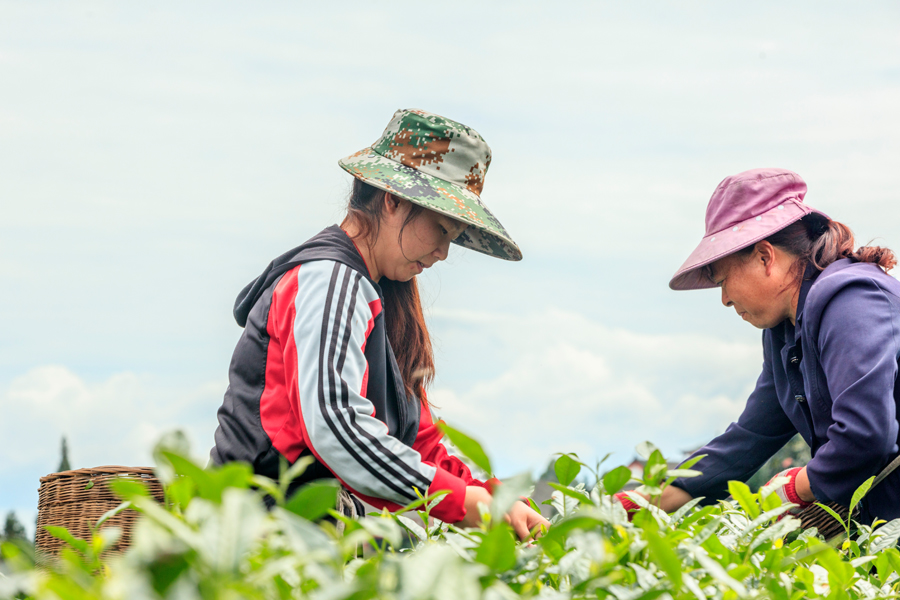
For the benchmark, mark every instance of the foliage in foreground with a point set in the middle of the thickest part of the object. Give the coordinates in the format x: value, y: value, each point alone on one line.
x: 215, y: 540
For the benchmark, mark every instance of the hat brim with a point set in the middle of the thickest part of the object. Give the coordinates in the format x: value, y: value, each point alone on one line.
x: 485, y: 234
x: 720, y: 244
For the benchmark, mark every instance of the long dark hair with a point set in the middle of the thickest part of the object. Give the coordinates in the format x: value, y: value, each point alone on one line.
x: 403, y: 317
x: 820, y: 241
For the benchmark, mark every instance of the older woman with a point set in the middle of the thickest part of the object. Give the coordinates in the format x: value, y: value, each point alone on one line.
x: 335, y: 355
x: 830, y: 317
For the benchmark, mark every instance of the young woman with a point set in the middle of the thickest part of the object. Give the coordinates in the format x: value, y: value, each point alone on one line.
x: 335, y: 355
x: 831, y: 342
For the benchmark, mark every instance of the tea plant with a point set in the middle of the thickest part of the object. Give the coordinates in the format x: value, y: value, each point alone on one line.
x: 214, y: 539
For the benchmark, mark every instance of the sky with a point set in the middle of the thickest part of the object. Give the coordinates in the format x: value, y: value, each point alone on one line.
x: 154, y: 157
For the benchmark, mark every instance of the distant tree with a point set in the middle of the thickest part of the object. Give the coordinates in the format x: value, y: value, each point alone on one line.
x: 64, y: 461
x: 12, y: 529
x: 794, y: 454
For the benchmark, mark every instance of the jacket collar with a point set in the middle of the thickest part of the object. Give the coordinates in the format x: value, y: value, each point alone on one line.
x: 332, y: 243
x: 811, y: 276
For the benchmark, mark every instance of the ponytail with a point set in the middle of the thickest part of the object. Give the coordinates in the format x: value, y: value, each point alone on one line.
x: 818, y: 240
x: 836, y: 242
x: 403, y: 317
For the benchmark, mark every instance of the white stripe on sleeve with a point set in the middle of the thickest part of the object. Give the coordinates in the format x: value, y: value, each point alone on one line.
x: 332, y: 316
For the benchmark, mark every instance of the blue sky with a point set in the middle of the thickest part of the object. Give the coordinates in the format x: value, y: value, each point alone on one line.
x: 154, y: 157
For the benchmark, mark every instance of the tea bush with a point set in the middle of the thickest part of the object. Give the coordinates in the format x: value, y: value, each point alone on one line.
x: 214, y: 539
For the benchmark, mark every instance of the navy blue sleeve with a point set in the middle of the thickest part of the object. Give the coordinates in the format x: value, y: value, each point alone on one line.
x: 858, y: 344
x: 760, y: 431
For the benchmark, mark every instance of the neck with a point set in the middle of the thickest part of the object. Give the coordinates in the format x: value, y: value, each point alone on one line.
x: 363, y: 247
x: 795, y: 300
x: 792, y: 309
x: 800, y: 277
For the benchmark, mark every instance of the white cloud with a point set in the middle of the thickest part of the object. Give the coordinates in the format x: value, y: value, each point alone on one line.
x: 115, y: 421
x: 573, y: 384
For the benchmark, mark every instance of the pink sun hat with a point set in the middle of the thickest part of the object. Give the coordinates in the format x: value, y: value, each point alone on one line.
x: 744, y: 209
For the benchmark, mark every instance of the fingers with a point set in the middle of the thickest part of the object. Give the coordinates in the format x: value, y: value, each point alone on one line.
x: 539, y: 527
x: 518, y: 518
x: 538, y: 530
x: 521, y: 528
x: 526, y: 522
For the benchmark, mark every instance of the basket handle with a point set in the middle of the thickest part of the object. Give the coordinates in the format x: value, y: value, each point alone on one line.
x: 892, y: 466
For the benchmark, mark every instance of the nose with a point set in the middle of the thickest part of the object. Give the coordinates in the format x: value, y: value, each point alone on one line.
x: 443, y: 250
x: 725, y: 299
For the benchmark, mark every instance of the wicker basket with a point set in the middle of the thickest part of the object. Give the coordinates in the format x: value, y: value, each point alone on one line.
x: 828, y: 526
x: 68, y: 499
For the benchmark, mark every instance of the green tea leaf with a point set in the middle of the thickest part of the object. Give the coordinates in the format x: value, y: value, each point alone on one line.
x: 717, y: 572
x: 212, y: 482
x: 655, y: 469
x: 111, y: 513
x: 566, y: 469
x: 616, y: 479
x: 740, y: 492
x: 468, y: 446
x: 561, y: 530
x: 509, y: 493
x: 498, y: 549
x: 840, y: 573
x: 384, y: 528
x: 411, y: 526
x: 61, y: 533
x: 691, y: 461
x: 679, y: 514
x: 687, y: 473
x: 770, y: 501
x: 884, y: 567
x: 296, y: 470
x: 127, y: 488
x: 885, y: 537
x: 861, y: 491
x: 893, y: 557
x: 314, y: 500
x: 831, y: 512
x: 580, y: 496
x: 431, y: 501
x: 663, y: 555
x: 645, y: 449
x: 166, y: 570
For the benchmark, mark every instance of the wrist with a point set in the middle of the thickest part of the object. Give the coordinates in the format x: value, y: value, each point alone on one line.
x: 793, y: 488
x: 802, y: 487
x: 472, y: 514
x: 474, y: 496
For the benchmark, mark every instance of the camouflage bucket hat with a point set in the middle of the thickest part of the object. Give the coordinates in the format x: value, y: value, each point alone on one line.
x: 439, y: 164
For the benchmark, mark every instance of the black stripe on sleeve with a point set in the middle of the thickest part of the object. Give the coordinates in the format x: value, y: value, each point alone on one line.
x: 345, y: 398
x: 407, y: 493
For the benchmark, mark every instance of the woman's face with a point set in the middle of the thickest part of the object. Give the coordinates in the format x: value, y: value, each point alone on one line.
x: 760, y: 286
x: 424, y: 241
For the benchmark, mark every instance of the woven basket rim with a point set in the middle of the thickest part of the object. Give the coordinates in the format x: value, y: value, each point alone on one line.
x: 104, y: 470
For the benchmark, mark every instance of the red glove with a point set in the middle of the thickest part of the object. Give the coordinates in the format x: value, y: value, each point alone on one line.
x: 788, y: 492
x: 627, y: 503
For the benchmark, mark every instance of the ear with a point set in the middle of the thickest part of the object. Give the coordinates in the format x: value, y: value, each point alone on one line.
x: 391, y: 203
x: 766, y: 254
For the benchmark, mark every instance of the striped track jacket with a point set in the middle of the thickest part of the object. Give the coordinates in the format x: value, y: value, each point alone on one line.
x: 314, y: 373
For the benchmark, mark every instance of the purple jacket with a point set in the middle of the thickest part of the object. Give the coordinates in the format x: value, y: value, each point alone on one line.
x: 833, y: 379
